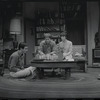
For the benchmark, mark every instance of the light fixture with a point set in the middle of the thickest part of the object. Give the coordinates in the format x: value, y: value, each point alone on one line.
x: 15, y: 28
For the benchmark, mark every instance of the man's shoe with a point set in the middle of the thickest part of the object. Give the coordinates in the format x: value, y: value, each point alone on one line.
x: 34, y: 76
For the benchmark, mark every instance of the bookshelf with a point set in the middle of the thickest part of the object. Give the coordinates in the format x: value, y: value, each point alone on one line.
x: 70, y: 17
x: 48, y: 22
x: 74, y: 13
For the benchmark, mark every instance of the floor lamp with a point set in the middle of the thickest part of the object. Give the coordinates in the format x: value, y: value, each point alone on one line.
x: 15, y: 29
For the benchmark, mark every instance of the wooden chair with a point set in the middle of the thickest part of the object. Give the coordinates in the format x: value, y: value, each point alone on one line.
x: 6, y: 55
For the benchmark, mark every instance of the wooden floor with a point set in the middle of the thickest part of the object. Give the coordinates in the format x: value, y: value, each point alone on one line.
x: 80, y: 85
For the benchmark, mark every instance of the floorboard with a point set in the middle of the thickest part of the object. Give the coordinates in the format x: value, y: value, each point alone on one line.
x: 80, y: 85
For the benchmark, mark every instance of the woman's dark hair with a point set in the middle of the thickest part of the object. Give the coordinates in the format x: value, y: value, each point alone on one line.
x: 22, y: 45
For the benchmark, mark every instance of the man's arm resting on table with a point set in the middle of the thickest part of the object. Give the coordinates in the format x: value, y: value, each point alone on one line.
x: 40, y: 52
x: 67, y: 54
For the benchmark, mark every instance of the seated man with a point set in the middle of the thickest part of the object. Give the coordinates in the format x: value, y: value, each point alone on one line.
x: 16, y: 63
x: 66, y: 47
x: 47, y: 48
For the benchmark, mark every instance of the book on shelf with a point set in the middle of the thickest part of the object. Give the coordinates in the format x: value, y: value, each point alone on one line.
x: 62, y: 21
x: 62, y: 28
x: 62, y: 15
x: 48, y: 21
x: 43, y: 20
x: 47, y: 29
x: 52, y: 21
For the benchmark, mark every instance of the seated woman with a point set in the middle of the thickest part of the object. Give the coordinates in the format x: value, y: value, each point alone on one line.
x: 47, y: 48
x: 66, y: 47
x: 16, y: 63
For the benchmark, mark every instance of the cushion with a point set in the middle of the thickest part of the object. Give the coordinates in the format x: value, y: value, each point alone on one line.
x: 80, y: 49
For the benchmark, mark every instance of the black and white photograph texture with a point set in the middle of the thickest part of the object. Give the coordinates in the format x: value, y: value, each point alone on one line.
x: 49, y: 49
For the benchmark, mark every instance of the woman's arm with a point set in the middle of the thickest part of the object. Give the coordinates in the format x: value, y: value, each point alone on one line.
x: 70, y: 51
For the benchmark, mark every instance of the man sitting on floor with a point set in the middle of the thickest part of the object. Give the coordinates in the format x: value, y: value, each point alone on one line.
x: 16, y: 63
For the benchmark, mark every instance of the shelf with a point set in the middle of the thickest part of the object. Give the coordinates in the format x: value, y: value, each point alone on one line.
x: 43, y: 25
x: 47, y: 31
x: 51, y: 38
x: 39, y: 37
x: 45, y: 18
x: 74, y: 19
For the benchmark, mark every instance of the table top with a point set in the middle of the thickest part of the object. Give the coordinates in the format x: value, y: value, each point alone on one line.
x: 57, y: 61
x: 40, y: 63
x: 54, y: 64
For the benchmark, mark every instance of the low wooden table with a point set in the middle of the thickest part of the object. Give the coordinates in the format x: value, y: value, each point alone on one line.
x: 67, y: 65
